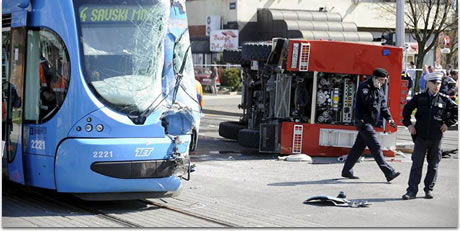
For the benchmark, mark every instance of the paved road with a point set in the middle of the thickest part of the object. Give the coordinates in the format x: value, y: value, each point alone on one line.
x: 238, y: 187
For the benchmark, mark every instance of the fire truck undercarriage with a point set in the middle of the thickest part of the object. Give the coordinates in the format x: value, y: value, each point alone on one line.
x: 296, y: 99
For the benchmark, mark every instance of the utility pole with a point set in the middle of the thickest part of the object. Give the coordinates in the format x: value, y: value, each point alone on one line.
x: 400, y: 32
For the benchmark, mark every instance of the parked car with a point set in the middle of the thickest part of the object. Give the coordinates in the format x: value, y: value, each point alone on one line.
x: 203, y: 75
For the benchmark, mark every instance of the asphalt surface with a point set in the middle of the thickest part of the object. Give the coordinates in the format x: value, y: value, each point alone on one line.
x: 237, y: 187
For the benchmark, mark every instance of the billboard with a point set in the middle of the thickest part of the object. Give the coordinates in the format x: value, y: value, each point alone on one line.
x: 223, y: 39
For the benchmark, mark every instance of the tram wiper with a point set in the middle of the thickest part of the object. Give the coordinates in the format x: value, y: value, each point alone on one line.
x: 180, y: 75
x: 140, y: 119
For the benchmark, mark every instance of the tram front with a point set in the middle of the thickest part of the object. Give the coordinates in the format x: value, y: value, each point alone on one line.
x: 136, y: 64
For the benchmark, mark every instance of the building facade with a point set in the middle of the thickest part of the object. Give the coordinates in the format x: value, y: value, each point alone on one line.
x: 260, y: 20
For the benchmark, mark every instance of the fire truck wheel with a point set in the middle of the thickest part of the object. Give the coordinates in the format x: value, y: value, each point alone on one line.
x: 256, y: 51
x: 249, y: 138
x: 230, y: 129
x: 232, y: 56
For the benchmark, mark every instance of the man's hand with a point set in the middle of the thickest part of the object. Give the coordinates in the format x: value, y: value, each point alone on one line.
x: 392, y: 123
x: 412, y: 129
x: 443, y: 128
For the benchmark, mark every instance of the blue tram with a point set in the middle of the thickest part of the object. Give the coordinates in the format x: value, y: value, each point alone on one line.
x: 98, y: 96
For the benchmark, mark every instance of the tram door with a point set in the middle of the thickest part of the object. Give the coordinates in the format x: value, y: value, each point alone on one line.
x: 13, y: 63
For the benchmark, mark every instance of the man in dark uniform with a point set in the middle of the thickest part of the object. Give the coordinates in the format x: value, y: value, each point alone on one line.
x: 370, y: 104
x: 406, y: 76
x: 435, y: 113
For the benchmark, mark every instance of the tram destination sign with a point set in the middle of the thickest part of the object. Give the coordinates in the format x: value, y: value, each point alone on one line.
x: 111, y: 14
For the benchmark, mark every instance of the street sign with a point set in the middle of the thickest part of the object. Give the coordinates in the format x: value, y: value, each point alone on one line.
x: 445, y: 50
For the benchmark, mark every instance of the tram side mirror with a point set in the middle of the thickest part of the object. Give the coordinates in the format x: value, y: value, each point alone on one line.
x: 177, y: 122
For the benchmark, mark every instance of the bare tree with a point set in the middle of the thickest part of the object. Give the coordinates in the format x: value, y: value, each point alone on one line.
x: 452, y: 32
x: 427, y: 19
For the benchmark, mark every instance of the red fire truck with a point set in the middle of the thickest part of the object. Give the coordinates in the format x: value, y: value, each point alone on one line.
x: 298, y: 96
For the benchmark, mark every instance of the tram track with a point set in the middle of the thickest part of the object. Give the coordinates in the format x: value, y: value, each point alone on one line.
x: 68, y: 206
x: 37, y: 195
x: 199, y: 216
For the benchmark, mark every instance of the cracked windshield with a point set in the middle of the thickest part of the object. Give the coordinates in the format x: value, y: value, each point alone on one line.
x: 123, y: 50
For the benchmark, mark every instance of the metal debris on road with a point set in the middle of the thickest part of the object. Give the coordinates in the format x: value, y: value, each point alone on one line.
x: 343, y: 158
x: 338, y: 201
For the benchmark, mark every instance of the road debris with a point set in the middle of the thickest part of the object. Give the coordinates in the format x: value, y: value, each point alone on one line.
x: 338, y: 201
x: 343, y: 158
x: 299, y: 157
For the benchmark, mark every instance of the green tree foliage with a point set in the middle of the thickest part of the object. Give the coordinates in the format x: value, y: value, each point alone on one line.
x: 231, y: 78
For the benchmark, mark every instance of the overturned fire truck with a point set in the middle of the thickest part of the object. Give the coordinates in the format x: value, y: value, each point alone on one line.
x: 298, y: 96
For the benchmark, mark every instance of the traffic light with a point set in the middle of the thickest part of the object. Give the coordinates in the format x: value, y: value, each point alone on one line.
x: 387, y: 39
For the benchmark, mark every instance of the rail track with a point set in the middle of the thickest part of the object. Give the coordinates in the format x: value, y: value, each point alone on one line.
x: 66, y: 205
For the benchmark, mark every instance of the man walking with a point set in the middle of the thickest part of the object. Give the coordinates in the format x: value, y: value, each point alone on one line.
x: 214, y: 76
x: 435, y: 113
x: 370, y: 104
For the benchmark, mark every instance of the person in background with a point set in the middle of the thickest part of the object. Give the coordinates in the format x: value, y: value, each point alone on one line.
x: 454, y: 76
x: 421, y: 83
x: 199, y: 93
x: 214, y: 76
x: 435, y: 113
x: 448, y: 85
x: 53, y: 85
x: 10, y: 100
x: 449, y: 70
x: 370, y: 104
x: 406, y: 76
x: 411, y: 69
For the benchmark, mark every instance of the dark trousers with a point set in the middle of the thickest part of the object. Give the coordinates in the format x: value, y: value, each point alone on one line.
x: 367, y: 137
x: 432, y: 149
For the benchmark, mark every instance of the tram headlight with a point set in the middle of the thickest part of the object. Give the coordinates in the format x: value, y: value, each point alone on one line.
x: 88, y: 127
x: 99, y: 127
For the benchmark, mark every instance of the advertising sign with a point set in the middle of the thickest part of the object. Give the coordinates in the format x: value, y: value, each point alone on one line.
x: 223, y: 39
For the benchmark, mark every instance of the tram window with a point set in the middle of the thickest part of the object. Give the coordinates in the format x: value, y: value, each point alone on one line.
x: 48, y: 75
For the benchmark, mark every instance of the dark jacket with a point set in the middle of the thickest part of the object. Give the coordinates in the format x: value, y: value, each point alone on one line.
x: 410, y: 84
x: 370, y: 104
x: 448, y: 86
x: 432, y: 112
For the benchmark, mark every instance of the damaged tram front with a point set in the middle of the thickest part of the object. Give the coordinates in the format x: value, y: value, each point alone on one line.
x: 109, y: 108
x: 298, y: 96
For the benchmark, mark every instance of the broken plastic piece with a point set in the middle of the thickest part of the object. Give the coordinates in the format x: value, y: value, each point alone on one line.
x: 336, y: 201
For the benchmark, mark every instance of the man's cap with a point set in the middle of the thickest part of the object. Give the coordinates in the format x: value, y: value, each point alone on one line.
x: 380, y: 72
x: 434, y: 76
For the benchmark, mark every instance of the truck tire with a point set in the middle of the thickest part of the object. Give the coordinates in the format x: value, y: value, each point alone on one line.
x: 249, y: 138
x: 232, y: 56
x: 256, y: 51
x: 230, y: 129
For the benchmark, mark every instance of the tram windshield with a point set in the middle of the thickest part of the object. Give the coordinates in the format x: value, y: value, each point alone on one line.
x: 122, y: 44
